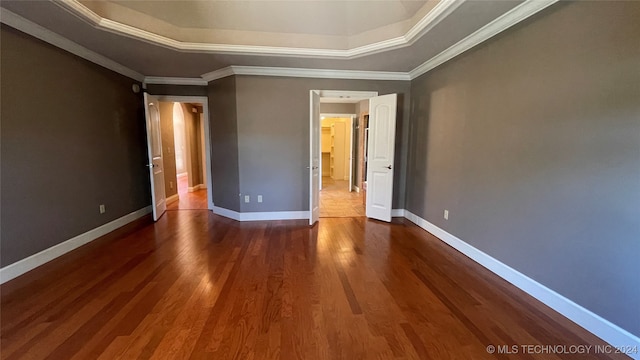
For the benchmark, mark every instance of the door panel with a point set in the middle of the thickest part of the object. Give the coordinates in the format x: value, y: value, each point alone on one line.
x: 314, y: 158
x: 380, y: 157
x: 154, y: 146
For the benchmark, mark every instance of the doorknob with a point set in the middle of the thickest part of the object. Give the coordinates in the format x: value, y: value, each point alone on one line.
x: 389, y: 167
x: 151, y: 165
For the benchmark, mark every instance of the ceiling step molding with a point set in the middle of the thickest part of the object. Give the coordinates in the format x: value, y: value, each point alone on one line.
x: 18, y: 22
x: 511, y: 18
x: 514, y: 16
x: 157, y: 80
x: 305, y: 73
x: 439, y: 12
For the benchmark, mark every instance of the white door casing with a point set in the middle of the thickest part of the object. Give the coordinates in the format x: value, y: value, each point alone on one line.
x: 314, y: 158
x: 154, y: 146
x: 352, y: 124
x: 380, y: 157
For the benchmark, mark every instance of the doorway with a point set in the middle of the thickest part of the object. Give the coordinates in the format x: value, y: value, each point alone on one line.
x: 371, y: 159
x: 338, y: 138
x: 185, y: 156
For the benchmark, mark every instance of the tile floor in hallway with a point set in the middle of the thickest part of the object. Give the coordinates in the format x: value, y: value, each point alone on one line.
x: 337, y: 201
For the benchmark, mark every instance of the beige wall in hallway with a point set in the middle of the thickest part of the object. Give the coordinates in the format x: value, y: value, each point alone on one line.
x: 168, y: 148
x: 194, y: 157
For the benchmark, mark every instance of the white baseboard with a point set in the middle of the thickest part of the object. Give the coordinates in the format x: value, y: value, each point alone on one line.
x: 226, y: 213
x: 22, y: 266
x: 274, y: 215
x: 196, y: 188
x: 261, y: 216
x: 397, y: 213
x: 357, y: 189
x: 602, y: 328
x: 172, y: 198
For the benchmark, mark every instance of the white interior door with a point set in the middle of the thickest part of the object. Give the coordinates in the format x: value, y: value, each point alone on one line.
x: 380, y: 156
x: 154, y: 144
x: 314, y: 161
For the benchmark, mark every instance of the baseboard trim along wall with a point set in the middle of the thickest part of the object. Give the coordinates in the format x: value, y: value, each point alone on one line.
x: 20, y: 267
x: 602, y: 328
x: 276, y: 215
x: 592, y: 322
x: 398, y: 213
x: 261, y: 216
x: 196, y: 188
x: 172, y: 198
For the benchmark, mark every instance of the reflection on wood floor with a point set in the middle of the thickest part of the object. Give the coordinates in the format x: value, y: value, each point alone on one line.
x: 195, y: 285
x: 337, y: 201
x: 196, y: 200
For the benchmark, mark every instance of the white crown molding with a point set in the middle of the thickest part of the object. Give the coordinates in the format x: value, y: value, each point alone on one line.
x: 319, y: 73
x: 174, y: 81
x: 218, y: 74
x: 507, y: 20
x: 516, y: 15
x: 20, y: 267
x: 443, y: 9
x: 305, y: 73
x: 602, y: 328
x: 439, y: 12
x: 18, y: 22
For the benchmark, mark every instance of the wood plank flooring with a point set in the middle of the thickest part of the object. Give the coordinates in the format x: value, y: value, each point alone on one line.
x: 196, y: 200
x: 198, y: 286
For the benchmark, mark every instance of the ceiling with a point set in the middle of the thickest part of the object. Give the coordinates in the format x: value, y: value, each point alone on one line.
x: 188, y: 39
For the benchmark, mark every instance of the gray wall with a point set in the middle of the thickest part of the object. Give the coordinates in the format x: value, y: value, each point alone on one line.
x: 177, y: 90
x: 532, y: 142
x: 224, y: 143
x: 337, y: 108
x: 73, y: 137
x: 273, y: 137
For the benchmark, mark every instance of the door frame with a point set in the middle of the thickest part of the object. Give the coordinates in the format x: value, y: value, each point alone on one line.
x: 362, y: 95
x: 204, y: 100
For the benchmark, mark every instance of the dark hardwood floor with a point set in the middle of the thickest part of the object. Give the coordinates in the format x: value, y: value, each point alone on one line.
x: 196, y: 285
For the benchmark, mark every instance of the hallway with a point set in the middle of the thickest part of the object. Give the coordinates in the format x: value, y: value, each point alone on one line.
x: 196, y: 200
x: 337, y: 201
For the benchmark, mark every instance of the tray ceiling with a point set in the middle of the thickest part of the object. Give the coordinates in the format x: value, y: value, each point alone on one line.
x: 433, y: 27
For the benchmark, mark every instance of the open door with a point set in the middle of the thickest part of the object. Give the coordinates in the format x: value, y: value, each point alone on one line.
x: 380, y: 156
x: 314, y: 158
x: 154, y: 146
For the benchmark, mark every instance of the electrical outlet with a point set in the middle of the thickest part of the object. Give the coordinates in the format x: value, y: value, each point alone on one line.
x: 446, y: 214
x: 259, y: 198
x: 247, y: 198
x: 170, y: 184
x: 102, y: 209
